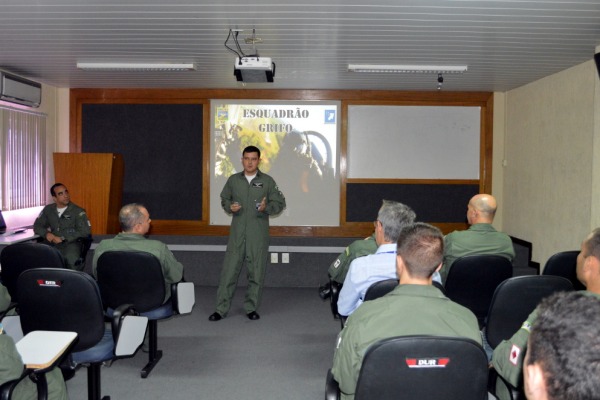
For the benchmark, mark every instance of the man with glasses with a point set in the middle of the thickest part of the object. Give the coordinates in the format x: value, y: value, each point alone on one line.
x: 135, y: 224
x: 364, y: 271
x: 62, y: 224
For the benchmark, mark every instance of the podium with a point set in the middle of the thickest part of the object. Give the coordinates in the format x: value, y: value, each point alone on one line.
x: 95, y: 182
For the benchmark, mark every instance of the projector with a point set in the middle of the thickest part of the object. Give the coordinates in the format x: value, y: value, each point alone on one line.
x: 254, y: 69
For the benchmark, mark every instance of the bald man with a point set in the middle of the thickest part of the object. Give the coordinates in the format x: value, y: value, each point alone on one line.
x: 480, y: 238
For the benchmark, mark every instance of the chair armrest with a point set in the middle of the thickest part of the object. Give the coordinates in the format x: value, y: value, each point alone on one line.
x: 332, y: 388
x: 117, y: 318
x: 183, y: 297
x: 10, y: 307
x: 128, y: 330
x: 7, y: 387
x: 513, y: 392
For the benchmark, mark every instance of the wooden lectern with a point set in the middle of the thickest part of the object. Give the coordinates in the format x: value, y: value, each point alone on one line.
x: 95, y: 182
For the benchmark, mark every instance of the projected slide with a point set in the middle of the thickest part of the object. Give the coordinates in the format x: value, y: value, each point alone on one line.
x: 299, y: 149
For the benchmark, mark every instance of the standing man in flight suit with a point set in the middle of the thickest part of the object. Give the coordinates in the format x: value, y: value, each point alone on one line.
x: 250, y: 197
x: 62, y: 223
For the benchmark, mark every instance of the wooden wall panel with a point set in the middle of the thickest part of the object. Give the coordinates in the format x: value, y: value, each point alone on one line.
x: 95, y: 182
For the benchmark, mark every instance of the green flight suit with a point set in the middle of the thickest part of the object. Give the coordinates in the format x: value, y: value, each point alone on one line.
x: 248, y: 236
x: 171, y: 268
x: 478, y: 239
x: 509, y: 355
x: 71, y: 225
x: 4, y: 298
x: 11, y: 367
x: 406, y: 310
x: 359, y: 248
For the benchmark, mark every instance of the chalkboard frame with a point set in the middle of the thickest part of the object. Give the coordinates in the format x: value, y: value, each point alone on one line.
x: 78, y: 97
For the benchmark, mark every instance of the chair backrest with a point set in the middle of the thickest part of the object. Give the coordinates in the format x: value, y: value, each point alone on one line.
x: 473, y: 279
x: 380, y: 288
x: 423, y: 367
x: 514, y: 299
x: 131, y: 277
x: 20, y: 257
x: 564, y: 264
x: 61, y: 300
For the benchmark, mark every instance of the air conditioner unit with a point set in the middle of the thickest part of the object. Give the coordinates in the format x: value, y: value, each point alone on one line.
x: 15, y: 89
x: 254, y: 69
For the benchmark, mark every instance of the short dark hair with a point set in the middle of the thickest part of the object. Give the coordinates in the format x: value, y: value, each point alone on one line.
x: 565, y: 342
x: 57, y: 184
x: 421, y: 247
x: 130, y: 215
x: 251, y: 149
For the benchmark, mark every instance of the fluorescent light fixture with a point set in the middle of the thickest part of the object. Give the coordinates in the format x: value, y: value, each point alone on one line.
x: 110, y: 66
x: 417, y: 69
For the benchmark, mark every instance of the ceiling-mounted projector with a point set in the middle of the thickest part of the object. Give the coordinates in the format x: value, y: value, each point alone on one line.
x: 254, y: 69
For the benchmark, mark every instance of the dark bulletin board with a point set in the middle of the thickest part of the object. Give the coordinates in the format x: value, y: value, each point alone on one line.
x: 433, y: 203
x: 161, y: 146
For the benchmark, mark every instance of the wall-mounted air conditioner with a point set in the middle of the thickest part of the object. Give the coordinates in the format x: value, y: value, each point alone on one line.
x: 19, y: 90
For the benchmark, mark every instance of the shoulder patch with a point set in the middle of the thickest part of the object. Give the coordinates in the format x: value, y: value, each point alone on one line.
x: 515, y: 352
x: 526, y: 326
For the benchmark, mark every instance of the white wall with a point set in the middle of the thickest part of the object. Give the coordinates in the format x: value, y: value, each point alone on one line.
x: 48, y: 106
x: 551, y: 151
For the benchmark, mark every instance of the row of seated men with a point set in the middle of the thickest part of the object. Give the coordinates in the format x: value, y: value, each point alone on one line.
x: 370, y: 260
x: 414, y: 253
x: 135, y: 224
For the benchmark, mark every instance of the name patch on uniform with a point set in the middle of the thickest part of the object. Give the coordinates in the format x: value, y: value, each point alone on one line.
x: 257, y: 184
x: 427, y: 362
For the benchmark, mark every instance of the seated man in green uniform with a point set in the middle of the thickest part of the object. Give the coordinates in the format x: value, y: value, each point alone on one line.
x: 135, y: 223
x: 11, y: 366
x: 480, y: 238
x: 339, y: 267
x: 415, y: 307
x: 508, y: 356
x: 62, y: 224
x: 563, y: 354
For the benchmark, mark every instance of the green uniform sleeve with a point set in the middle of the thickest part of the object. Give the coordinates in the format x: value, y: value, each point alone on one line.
x: 4, y: 298
x: 40, y: 226
x: 359, y: 248
x: 275, y: 200
x: 509, y: 354
x: 347, y: 362
x: 227, y: 197
x: 172, y: 269
x: 11, y: 365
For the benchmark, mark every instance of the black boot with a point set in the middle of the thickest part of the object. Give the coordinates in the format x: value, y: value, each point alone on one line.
x: 325, y: 291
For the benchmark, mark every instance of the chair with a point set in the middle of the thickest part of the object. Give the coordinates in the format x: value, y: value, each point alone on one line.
x: 60, y: 345
x: 20, y: 257
x: 564, y: 264
x: 376, y: 290
x: 85, y: 243
x: 420, y: 367
x: 473, y: 279
x: 513, y: 301
x: 133, y: 277
x: 66, y: 300
x: 380, y: 288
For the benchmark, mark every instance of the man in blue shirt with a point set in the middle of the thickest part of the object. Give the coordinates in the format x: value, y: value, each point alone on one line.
x: 364, y: 271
